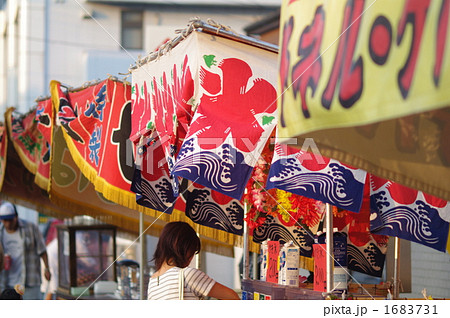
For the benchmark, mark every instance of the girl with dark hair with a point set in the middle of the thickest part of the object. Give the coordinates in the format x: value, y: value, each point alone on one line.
x: 177, y: 245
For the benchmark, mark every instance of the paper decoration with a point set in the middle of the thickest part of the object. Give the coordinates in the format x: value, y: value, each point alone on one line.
x: 320, y: 267
x: 272, y: 261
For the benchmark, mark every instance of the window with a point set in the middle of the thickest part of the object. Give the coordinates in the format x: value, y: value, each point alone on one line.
x: 132, y: 33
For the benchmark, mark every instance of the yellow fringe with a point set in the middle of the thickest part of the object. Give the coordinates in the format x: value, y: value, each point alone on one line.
x: 54, y: 95
x: 55, y: 105
x: 131, y: 225
x: 128, y: 199
x: 41, y: 181
x: 123, y: 222
x: 224, y: 250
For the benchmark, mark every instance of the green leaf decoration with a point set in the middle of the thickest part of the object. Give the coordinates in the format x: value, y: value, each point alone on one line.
x: 150, y: 125
x: 209, y: 60
x: 267, y: 120
x: 133, y: 90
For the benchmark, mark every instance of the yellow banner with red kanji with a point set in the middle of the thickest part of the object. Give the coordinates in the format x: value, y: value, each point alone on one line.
x: 368, y: 81
x: 361, y: 61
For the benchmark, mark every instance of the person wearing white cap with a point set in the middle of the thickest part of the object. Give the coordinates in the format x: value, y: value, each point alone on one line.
x: 23, y: 243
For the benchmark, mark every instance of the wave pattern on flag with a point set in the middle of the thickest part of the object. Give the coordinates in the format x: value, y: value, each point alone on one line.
x: 409, y: 214
x: 151, y: 181
x: 314, y: 176
x: 235, y: 116
x: 274, y: 230
x: 211, y: 208
x: 366, y: 251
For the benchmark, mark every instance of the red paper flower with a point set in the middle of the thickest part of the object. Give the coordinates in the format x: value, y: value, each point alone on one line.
x: 259, y: 200
x: 307, y: 210
x: 297, y: 210
x: 254, y: 219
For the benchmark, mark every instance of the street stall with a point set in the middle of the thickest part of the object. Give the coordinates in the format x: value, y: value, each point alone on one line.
x: 193, y: 123
x: 197, y: 137
x: 205, y: 153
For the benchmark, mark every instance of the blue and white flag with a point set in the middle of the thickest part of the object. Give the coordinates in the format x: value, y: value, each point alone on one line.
x: 317, y: 177
x: 408, y: 214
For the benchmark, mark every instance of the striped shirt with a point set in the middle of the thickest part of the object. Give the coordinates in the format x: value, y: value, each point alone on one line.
x: 165, y: 287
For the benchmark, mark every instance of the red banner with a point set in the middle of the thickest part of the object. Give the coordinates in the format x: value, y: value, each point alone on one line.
x: 97, y: 124
x: 30, y: 144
